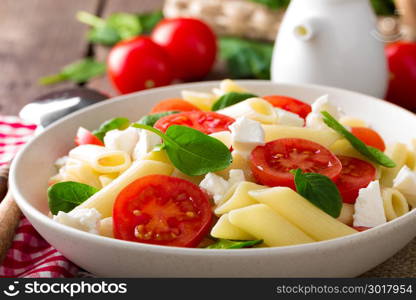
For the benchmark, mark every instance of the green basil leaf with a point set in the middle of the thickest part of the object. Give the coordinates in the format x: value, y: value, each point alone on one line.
x: 195, y: 153
x: 229, y: 99
x: 79, y: 72
x: 274, y: 4
x: 65, y: 196
x: 384, y: 7
x: 117, y: 27
x: 104, y: 35
x: 126, y: 25
x: 191, y: 151
x: 116, y: 123
x: 228, y: 244
x: 101, y: 32
x: 246, y: 59
x: 371, y: 153
x: 150, y: 20
x: 150, y: 120
x: 319, y: 190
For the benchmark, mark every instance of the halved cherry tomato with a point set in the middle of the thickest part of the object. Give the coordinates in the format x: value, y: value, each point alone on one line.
x: 290, y: 104
x: 369, y: 137
x: 271, y: 163
x: 85, y: 137
x: 162, y: 210
x: 173, y: 104
x: 205, y: 121
x: 355, y: 175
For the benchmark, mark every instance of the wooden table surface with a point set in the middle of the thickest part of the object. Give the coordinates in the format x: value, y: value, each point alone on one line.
x: 40, y: 36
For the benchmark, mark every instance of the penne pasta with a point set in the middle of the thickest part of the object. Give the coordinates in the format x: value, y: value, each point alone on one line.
x: 203, y: 101
x: 411, y: 160
x: 224, y: 137
x: 223, y: 229
x: 80, y: 171
x: 255, y: 109
x: 398, y: 153
x: 104, y: 199
x: 302, y: 213
x: 352, y: 122
x: 395, y: 204
x: 194, y: 179
x: 239, y: 162
x: 325, y: 137
x: 263, y: 223
x: 228, y: 85
x: 237, y: 197
x: 107, y: 178
x: 102, y: 160
x: 157, y: 155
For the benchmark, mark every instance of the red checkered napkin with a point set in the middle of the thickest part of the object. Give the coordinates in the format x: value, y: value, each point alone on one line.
x: 30, y: 255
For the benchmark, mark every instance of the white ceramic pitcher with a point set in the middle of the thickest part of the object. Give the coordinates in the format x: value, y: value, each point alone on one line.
x: 331, y: 42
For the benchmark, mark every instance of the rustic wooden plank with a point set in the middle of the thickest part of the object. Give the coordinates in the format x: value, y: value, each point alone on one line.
x: 37, y: 38
x: 130, y: 6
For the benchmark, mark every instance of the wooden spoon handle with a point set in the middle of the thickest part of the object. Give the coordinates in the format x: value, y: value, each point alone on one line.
x: 407, y: 10
x: 9, y: 214
x: 4, y: 176
x: 9, y: 219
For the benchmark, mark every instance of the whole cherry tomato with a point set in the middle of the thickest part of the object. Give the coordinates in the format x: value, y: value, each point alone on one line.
x: 138, y: 64
x: 402, y: 64
x: 191, y: 44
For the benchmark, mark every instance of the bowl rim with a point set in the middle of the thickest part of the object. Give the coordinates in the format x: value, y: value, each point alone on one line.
x: 29, y: 209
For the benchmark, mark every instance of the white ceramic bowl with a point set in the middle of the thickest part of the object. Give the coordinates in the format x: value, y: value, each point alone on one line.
x: 343, y: 257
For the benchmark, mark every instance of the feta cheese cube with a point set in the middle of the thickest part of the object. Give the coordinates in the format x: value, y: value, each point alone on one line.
x: 124, y: 140
x: 314, y: 119
x: 405, y: 182
x: 85, y: 219
x: 147, y: 141
x: 246, y: 135
x: 288, y: 118
x: 214, y: 185
x: 369, y: 208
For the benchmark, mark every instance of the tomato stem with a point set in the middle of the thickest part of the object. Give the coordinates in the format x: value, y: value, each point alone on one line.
x: 52, y: 79
x: 89, y: 19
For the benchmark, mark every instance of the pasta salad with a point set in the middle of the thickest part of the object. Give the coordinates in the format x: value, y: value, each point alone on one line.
x: 230, y: 169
